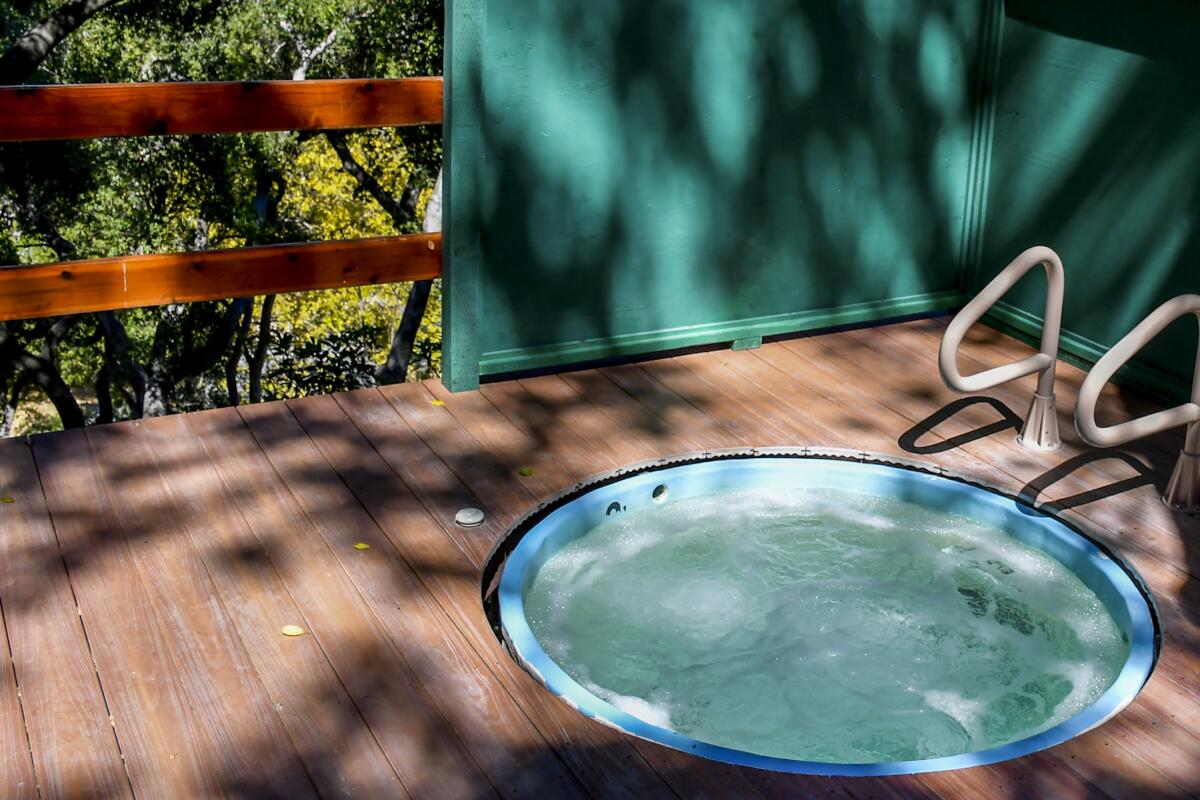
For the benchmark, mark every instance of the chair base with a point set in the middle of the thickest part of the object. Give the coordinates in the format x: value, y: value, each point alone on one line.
x: 1183, y: 492
x: 1040, y: 431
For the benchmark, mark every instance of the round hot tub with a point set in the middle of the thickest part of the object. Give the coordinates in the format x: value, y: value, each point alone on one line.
x: 833, y: 614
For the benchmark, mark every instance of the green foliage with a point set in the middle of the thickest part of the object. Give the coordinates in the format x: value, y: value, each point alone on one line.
x: 168, y: 194
x: 337, y: 362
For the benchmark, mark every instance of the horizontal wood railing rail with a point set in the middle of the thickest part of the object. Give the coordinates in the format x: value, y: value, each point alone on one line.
x: 75, y: 287
x: 48, y: 113
x: 44, y: 113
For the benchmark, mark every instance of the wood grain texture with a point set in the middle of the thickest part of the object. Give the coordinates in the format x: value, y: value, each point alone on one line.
x: 43, y: 113
x: 602, y: 761
x: 505, y: 745
x: 105, y: 284
x: 328, y: 729
x: 234, y: 731
x: 74, y: 750
x: 16, y: 766
x: 269, y: 500
x: 146, y: 698
x: 419, y: 741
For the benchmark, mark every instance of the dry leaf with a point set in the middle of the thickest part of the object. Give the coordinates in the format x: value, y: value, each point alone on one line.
x: 7, y: 500
x: 292, y: 630
x: 525, y: 472
x: 362, y: 546
x: 437, y: 402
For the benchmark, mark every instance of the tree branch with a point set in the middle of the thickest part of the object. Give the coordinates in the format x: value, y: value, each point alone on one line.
x: 44, y: 374
x: 402, y: 211
x: 22, y: 59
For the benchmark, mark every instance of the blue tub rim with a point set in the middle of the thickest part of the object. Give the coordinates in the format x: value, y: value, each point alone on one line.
x: 504, y: 581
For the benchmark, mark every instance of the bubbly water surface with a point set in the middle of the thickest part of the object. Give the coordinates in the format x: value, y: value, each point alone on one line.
x: 824, y: 625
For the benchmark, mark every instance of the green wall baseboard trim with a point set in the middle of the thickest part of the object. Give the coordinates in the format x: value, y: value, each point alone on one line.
x: 582, y: 352
x: 1084, y: 353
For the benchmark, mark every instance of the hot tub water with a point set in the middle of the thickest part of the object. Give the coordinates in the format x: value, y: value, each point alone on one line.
x: 824, y: 624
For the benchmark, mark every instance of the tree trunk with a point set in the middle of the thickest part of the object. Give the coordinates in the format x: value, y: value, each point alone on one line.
x: 104, y: 402
x: 395, y: 369
x: 9, y: 415
x: 239, y: 349
x: 44, y: 375
x: 22, y: 59
x: 116, y: 345
x: 259, y: 358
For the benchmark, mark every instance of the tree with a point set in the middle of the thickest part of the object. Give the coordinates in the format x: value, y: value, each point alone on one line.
x: 110, y: 197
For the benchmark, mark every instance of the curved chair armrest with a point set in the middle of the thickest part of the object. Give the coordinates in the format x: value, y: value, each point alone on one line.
x: 1113, y: 360
x: 1043, y: 362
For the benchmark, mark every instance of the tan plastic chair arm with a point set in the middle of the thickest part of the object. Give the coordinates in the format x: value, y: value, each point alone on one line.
x: 1043, y: 362
x: 1113, y: 360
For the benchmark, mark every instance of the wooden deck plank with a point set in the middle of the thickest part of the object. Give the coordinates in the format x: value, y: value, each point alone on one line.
x: 604, y: 761
x: 147, y: 700
x: 238, y: 735
x: 220, y: 524
x: 74, y: 751
x: 16, y: 760
x: 419, y: 741
x: 328, y: 729
x: 502, y: 740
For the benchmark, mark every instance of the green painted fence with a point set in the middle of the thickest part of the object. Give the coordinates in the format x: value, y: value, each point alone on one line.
x: 627, y: 176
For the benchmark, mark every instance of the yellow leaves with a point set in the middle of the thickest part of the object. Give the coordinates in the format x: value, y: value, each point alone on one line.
x: 327, y: 198
x: 292, y: 630
x: 362, y: 546
x: 438, y: 403
x: 7, y: 500
x: 525, y: 472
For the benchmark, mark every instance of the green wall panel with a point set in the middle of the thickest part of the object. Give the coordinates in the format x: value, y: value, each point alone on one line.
x: 666, y: 173
x: 629, y: 176
x: 1096, y: 153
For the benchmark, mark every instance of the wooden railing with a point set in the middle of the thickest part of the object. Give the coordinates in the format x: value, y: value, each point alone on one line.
x: 41, y: 113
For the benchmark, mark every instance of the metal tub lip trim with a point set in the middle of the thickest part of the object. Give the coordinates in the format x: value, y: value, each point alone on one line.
x: 516, y: 553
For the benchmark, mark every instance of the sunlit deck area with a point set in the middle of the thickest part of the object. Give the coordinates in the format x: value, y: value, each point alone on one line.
x: 148, y: 568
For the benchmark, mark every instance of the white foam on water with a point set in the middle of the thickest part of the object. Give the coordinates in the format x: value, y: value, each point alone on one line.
x: 644, y: 710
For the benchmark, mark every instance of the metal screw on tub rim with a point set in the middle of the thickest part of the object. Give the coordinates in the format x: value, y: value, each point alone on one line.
x: 469, y: 518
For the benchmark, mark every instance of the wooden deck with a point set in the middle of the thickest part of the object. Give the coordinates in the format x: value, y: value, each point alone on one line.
x: 146, y: 570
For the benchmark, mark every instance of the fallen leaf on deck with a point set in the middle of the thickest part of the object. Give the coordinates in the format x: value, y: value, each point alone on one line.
x: 8, y: 500
x: 525, y: 472
x: 292, y: 630
x: 437, y: 402
x: 362, y: 546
